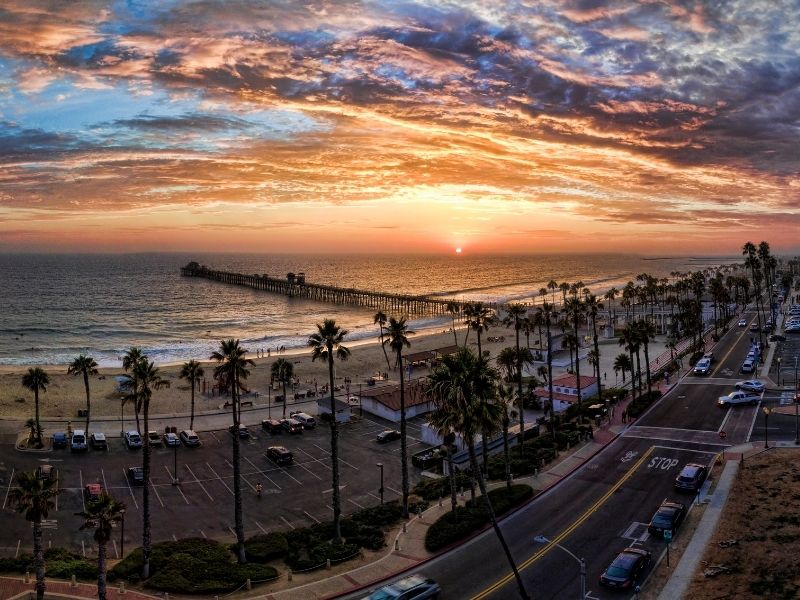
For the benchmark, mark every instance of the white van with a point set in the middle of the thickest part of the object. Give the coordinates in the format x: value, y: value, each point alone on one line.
x: 307, y: 420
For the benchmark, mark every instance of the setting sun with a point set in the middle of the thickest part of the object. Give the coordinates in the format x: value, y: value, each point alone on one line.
x: 458, y: 250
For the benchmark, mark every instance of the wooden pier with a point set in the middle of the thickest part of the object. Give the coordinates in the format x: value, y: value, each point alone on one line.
x: 295, y: 286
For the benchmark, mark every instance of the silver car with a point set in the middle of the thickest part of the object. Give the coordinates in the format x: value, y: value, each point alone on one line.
x: 751, y: 385
x: 414, y: 587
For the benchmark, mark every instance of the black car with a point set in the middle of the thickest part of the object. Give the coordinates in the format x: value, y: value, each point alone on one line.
x: 293, y: 426
x: 279, y: 455
x: 691, y: 478
x: 59, y: 439
x: 625, y: 570
x: 244, y: 432
x: 668, y: 517
x: 272, y: 425
x: 136, y: 475
x: 387, y: 436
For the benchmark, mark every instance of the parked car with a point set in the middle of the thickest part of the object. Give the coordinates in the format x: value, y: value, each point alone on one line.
x: 153, y: 438
x: 387, y: 435
x: 189, y: 438
x: 78, y: 441
x: 272, y: 425
x: 748, y: 366
x: 739, y: 397
x: 93, y: 491
x: 136, y: 475
x: 751, y: 385
x: 777, y: 337
x: 133, y: 440
x: 702, y: 366
x: 59, y: 440
x: 754, y: 327
x: 304, y: 418
x: 244, y: 432
x: 668, y: 517
x: 171, y: 440
x: 626, y: 569
x: 413, y: 587
x: 293, y: 426
x: 691, y: 478
x: 742, y: 322
x: 98, y: 441
x: 46, y: 472
x: 279, y: 455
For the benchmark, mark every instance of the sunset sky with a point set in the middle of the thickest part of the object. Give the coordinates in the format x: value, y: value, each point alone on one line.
x: 649, y: 126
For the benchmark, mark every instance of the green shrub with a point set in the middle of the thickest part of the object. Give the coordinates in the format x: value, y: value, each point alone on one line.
x: 641, y: 404
x: 59, y: 563
x: 266, y: 547
x: 433, y: 489
x: 20, y: 564
x: 306, y: 558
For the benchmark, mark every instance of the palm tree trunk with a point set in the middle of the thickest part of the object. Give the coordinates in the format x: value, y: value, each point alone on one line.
x: 484, y: 433
x: 237, y: 475
x: 577, y: 361
x: 285, y: 400
x: 101, y: 571
x: 597, y: 358
x: 519, y: 395
x: 403, y: 439
x: 88, y: 400
x: 146, y: 538
x: 506, y: 448
x: 191, y: 419
x: 136, y: 414
x: 337, y: 506
x: 633, y: 376
x: 385, y: 354
x: 38, y: 427
x: 638, y: 372
x: 451, y: 473
x: 487, y: 503
x: 38, y: 557
x: 647, y: 365
x: 455, y: 337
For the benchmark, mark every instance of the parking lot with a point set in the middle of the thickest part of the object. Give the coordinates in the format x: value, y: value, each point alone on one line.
x: 201, y: 504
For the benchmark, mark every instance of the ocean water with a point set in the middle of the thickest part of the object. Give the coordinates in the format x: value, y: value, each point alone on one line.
x: 53, y: 307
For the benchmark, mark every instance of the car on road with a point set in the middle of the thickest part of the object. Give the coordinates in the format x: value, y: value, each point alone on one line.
x: 171, y: 440
x: 279, y: 455
x: 272, y: 425
x: 136, y: 475
x: 307, y: 420
x: 93, y: 491
x: 189, y: 438
x: 754, y: 327
x: 387, y: 435
x: 738, y: 397
x: 702, y: 366
x: 414, y: 587
x: 244, y: 432
x: 668, y: 517
x: 293, y: 426
x: 751, y: 385
x: 46, y: 472
x: 78, y: 441
x: 133, y: 440
x: 777, y: 337
x: 59, y: 440
x: 748, y: 366
x: 742, y: 322
x: 626, y: 569
x: 153, y: 438
x: 691, y: 478
x: 98, y: 441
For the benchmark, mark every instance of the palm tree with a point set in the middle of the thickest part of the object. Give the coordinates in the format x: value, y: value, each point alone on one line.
x: 132, y: 356
x: 147, y: 379
x: 397, y: 333
x: 36, y: 380
x: 611, y: 295
x: 192, y: 372
x: 593, y: 307
x: 380, y: 319
x: 232, y: 363
x: 575, y: 309
x: 283, y: 371
x: 629, y: 340
x: 622, y: 363
x: 480, y: 317
x: 101, y: 514
x: 454, y: 310
x: 457, y: 385
x: 647, y: 333
x: 515, y: 312
x: 446, y: 422
x: 327, y: 344
x: 32, y: 428
x: 505, y: 399
x: 85, y: 366
x: 553, y: 286
x: 34, y: 496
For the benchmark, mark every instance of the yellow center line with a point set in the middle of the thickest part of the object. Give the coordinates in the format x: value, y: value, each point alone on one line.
x: 728, y: 353
x: 561, y: 536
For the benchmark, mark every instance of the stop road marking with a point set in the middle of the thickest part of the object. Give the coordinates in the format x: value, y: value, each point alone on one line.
x: 661, y: 462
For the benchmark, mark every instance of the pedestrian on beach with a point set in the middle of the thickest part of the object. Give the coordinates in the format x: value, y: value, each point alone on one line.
x: 268, y: 352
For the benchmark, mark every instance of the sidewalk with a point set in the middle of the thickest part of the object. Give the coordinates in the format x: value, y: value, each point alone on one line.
x: 11, y: 587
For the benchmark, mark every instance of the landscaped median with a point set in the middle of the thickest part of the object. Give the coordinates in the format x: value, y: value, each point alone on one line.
x: 465, y: 520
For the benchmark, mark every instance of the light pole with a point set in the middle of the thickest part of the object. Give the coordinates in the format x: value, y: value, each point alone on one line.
x: 779, y: 371
x: 767, y: 411
x: 121, y: 418
x: 540, y: 539
x: 175, y: 464
x: 122, y: 535
x: 380, y: 490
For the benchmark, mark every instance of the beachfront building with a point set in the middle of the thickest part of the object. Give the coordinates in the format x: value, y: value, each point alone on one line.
x: 343, y: 409
x: 565, y: 390
x: 384, y: 401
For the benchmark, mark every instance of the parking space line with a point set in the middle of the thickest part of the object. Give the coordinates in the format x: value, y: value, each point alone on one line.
x: 174, y: 537
x: 286, y: 472
x: 214, y: 435
x: 356, y: 503
x: 285, y: 521
x: 116, y: 552
x: 315, y: 459
x: 393, y: 490
x: 105, y: 484
x: 374, y: 496
x: 16, y: 554
x: 309, y: 470
x: 312, y: 517
x: 10, y: 481
x: 220, y: 478
x: 83, y: 548
x: 261, y: 528
x: 341, y: 460
x: 252, y: 487
x: 171, y: 478
x: 196, y: 480
x: 203, y: 533
x: 130, y: 489
x: 233, y: 532
x: 264, y: 473
x: 161, y: 502
x: 83, y: 501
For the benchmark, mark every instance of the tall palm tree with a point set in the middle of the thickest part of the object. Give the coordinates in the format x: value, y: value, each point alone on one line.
x: 480, y: 317
x: 446, y: 423
x: 232, y: 363
x: 326, y: 344
x: 575, y: 309
x: 397, y: 333
x: 34, y: 497
x: 283, y: 371
x: 192, y: 372
x: 132, y: 356
x: 630, y: 341
x: 148, y: 379
x: 553, y: 286
x: 593, y: 307
x: 36, y: 380
x: 647, y: 333
x: 380, y: 319
x: 101, y: 514
x: 454, y: 310
x: 84, y: 365
x: 611, y: 295
x: 622, y: 363
x: 505, y: 399
x: 458, y: 384
x: 515, y: 312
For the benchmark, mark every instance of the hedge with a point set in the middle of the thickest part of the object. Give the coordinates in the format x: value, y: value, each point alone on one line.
x: 59, y: 563
x: 638, y: 406
x: 452, y: 527
x: 433, y: 489
x: 265, y: 547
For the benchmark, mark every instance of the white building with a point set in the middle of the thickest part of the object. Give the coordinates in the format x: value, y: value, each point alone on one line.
x: 565, y: 390
x: 384, y: 401
x: 342, y: 409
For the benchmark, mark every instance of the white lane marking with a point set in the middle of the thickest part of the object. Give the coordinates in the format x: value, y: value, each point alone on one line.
x: 312, y: 517
x: 753, y: 423
x: 725, y: 420
x: 16, y: 554
x: 315, y: 459
x: 210, y: 497
x: 83, y: 548
x: 105, y: 483
x: 341, y: 460
x: 374, y: 496
x: 83, y: 501
x: 116, y: 552
x: 203, y: 533
x: 285, y: 521
x: 10, y: 481
x: 393, y: 490
x: 156, y: 492
x: 356, y: 503
x: 686, y: 450
x: 252, y: 487
x: 174, y: 537
x: 301, y: 465
x: 130, y: 489
x: 261, y: 528
x: 262, y: 472
x: 177, y: 487
x: 220, y: 478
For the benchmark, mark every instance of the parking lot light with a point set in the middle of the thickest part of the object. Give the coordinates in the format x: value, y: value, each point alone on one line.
x: 380, y: 489
x: 767, y: 411
x: 122, y: 534
x: 175, y: 465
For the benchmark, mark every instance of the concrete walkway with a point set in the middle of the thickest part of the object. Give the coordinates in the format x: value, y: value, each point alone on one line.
x: 684, y: 573
x: 11, y: 587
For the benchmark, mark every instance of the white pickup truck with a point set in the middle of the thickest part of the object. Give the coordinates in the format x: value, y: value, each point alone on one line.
x: 738, y: 397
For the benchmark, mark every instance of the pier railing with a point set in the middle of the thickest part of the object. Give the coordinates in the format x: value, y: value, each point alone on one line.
x: 295, y: 286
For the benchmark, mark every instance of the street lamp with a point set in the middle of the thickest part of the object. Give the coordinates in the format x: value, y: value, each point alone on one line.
x: 540, y: 539
x: 175, y: 464
x: 380, y: 490
x: 767, y: 411
x: 779, y: 371
x: 122, y: 535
